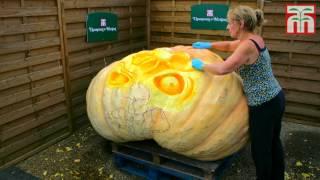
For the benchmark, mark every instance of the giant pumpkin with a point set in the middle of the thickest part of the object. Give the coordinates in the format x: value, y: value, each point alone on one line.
x: 156, y: 94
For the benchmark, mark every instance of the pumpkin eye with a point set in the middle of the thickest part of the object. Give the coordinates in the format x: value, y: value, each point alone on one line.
x: 142, y: 57
x: 180, y: 61
x: 163, y: 54
x: 117, y: 79
x: 170, y: 84
x: 146, y: 61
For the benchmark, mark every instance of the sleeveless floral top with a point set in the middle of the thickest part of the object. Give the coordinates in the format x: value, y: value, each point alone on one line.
x: 259, y: 83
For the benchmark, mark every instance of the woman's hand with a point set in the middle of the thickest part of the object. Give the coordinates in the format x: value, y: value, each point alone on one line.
x: 197, y: 64
x: 202, y: 45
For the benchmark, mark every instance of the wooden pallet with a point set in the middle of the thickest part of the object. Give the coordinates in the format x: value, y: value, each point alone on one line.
x: 149, y: 160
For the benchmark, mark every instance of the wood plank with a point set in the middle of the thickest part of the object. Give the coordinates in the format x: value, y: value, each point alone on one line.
x: 302, y: 60
x: 302, y: 97
x: 36, y: 135
x: 81, y: 18
x: 28, y: 45
x: 27, y: 11
x: 279, y: 33
x: 104, y: 53
x: 123, y: 25
x: 274, y: 20
x: 296, y: 47
x: 278, y: 8
x: 80, y: 85
x: 17, y: 96
x: 123, y: 36
x: 302, y: 111
x: 274, y: 8
x: 148, y: 24
x: 296, y: 75
x: 28, y: 78
x: 71, y: 4
x: 168, y: 7
x: 79, y: 99
x: 185, y: 6
x: 300, y: 85
x: 167, y: 39
x: 81, y: 120
x: 39, y: 147
x: 80, y: 110
x: 302, y: 120
x: 28, y: 28
x: 184, y: 19
x: 29, y: 61
x: 15, y: 114
x: 65, y: 60
x: 47, y: 87
x: 87, y: 71
x: 36, y: 121
x: 32, y: 108
x: 14, y: 98
x: 43, y: 74
x: 187, y: 30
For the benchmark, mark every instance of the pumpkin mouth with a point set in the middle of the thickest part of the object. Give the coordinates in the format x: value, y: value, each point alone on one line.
x: 171, y: 84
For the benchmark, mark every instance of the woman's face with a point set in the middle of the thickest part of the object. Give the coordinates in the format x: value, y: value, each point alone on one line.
x: 233, y: 27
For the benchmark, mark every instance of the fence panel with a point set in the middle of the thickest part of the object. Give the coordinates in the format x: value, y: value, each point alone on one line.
x: 84, y: 59
x: 33, y: 99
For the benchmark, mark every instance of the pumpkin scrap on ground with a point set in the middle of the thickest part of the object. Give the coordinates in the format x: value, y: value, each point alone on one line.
x: 156, y: 94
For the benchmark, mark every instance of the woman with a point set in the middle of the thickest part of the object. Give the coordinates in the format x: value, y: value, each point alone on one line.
x: 265, y: 97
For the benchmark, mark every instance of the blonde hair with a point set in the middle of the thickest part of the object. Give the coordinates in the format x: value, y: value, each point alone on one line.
x: 252, y: 18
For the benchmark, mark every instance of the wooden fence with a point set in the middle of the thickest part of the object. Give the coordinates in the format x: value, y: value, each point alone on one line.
x: 85, y: 60
x: 33, y: 103
x: 296, y: 63
x: 296, y: 59
x: 46, y: 64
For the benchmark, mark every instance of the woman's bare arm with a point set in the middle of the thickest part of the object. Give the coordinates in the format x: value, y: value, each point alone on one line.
x: 226, y: 45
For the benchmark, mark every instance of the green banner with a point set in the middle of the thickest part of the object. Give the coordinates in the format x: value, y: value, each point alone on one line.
x: 209, y: 16
x: 102, y: 26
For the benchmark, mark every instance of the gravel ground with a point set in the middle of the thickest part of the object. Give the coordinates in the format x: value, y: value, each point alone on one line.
x: 302, y: 155
x: 86, y: 155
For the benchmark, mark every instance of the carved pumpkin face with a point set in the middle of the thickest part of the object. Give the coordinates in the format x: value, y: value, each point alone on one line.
x: 165, y: 74
x: 157, y: 94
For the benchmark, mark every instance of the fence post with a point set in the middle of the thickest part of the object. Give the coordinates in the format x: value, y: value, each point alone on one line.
x: 148, y: 12
x: 65, y: 61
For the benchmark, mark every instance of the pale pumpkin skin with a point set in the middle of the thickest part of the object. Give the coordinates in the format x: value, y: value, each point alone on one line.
x: 156, y: 94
